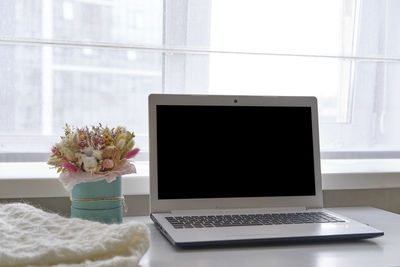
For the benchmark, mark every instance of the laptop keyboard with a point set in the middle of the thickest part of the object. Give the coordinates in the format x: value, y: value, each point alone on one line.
x: 182, y: 222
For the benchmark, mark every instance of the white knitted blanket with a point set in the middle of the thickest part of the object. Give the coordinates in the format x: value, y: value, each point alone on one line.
x: 33, y: 237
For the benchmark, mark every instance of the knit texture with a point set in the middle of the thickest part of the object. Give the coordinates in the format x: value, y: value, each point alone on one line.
x: 32, y: 237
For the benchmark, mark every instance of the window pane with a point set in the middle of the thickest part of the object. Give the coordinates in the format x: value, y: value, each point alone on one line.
x: 110, y: 21
x: 357, y: 100
x: 280, y: 75
x: 373, y: 124
x: 44, y: 87
x: 241, y: 74
x: 288, y: 26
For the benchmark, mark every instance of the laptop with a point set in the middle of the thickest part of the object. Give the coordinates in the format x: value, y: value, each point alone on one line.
x: 239, y: 170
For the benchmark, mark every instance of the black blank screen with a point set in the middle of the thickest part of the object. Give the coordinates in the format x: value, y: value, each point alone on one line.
x: 234, y: 151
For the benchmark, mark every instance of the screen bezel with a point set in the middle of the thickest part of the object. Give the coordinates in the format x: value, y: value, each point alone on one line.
x: 167, y: 205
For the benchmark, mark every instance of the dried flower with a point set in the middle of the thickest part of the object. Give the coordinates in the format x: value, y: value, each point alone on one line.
x: 108, y: 164
x: 121, y: 144
x: 132, y: 153
x: 98, y: 154
x: 95, y: 151
x: 89, y: 164
x: 68, y: 166
x: 109, y: 152
x: 88, y: 151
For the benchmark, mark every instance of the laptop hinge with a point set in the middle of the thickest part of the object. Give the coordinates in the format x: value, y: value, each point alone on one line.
x: 239, y: 211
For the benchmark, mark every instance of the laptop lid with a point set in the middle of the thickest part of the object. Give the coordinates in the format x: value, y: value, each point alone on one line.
x: 226, y: 152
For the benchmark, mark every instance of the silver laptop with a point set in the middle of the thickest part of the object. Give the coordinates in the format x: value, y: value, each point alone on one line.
x: 239, y: 170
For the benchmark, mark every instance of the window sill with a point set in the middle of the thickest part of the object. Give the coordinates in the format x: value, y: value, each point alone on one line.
x: 36, y: 179
x: 360, y: 174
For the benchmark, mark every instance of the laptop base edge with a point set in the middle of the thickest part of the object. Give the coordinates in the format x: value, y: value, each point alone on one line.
x: 266, y: 241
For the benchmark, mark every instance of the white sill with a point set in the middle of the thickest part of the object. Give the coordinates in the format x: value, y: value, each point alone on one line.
x: 360, y: 174
x: 36, y: 179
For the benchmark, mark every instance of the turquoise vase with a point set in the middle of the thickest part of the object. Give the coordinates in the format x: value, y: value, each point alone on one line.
x: 97, y: 201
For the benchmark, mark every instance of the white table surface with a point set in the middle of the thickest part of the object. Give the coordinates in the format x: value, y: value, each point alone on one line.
x: 381, y: 251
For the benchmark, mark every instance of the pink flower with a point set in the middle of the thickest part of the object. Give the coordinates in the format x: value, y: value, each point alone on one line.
x: 69, y: 166
x: 53, y: 150
x: 99, y: 140
x: 132, y: 153
x: 108, y: 164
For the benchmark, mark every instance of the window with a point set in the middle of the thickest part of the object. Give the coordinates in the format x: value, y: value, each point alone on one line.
x: 68, y: 62
x: 88, y: 61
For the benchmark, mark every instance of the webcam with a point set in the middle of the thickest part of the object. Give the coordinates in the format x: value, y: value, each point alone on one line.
x: 235, y: 101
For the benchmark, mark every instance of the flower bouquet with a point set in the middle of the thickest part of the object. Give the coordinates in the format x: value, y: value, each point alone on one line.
x: 90, y: 163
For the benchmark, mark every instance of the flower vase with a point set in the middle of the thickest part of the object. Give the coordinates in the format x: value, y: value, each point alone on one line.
x: 98, y: 201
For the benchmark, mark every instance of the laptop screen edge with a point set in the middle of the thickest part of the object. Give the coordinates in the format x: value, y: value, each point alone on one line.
x: 166, y: 205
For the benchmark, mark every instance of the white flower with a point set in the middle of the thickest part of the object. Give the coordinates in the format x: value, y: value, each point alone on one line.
x: 88, y: 151
x: 89, y: 164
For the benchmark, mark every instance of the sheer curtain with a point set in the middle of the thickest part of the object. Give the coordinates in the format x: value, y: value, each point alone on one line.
x: 72, y: 62
x: 85, y: 62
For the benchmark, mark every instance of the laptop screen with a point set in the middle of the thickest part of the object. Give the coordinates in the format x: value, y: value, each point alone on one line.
x: 234, y: 151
